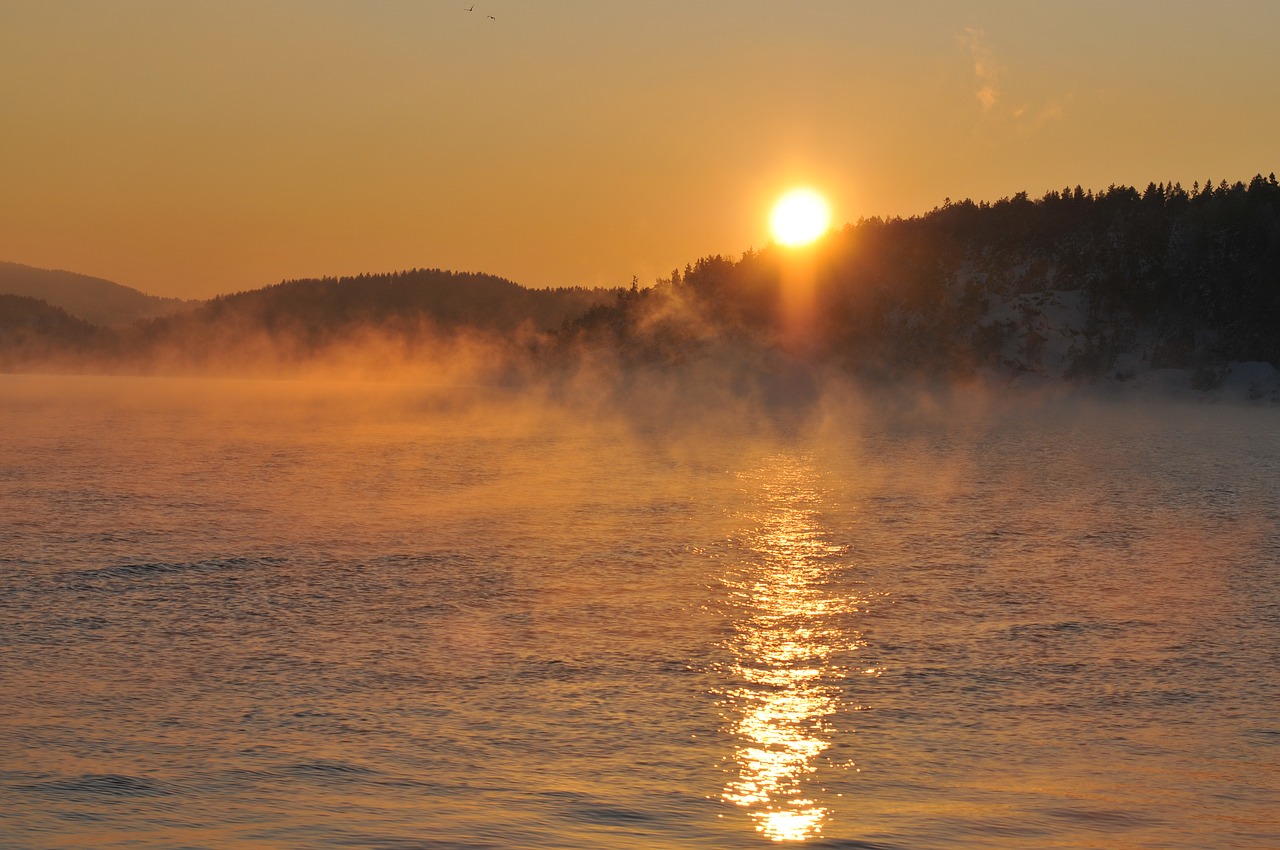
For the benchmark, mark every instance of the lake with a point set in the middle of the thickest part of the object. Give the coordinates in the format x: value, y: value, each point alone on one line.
x: 303, y: 614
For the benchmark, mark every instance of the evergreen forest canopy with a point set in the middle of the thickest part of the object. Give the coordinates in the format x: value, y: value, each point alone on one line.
x: 1075, y: 285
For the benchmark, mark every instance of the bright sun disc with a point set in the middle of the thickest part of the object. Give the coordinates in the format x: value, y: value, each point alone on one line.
x: 799, y: 217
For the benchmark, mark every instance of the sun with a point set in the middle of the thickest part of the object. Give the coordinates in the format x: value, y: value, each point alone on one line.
x: 799, y: 217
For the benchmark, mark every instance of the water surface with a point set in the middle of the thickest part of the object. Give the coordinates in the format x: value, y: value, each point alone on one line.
x: 304, y: 615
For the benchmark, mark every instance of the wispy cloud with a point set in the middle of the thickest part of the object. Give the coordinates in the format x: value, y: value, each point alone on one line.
x: 1029, y: 119
x: 986, y: 71
x: 990, y: 89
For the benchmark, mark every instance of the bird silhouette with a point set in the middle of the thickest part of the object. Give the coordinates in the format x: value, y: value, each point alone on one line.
x: 492, y: 18
x: 469, y: 8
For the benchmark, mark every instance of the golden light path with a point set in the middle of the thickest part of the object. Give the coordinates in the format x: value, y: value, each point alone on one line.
x: 787, y: 639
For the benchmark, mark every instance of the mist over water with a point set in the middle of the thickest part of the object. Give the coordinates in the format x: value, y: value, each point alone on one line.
x: 396, y: 615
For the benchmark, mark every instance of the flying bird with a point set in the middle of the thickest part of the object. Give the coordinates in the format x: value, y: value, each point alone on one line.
x: 469, y: 8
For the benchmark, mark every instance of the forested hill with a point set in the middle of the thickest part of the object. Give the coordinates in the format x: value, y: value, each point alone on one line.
x: 1119, y: 285
x: 1076, y: 284
x: 308, y: 315
x: 446, y: 298
x: 33, y: 331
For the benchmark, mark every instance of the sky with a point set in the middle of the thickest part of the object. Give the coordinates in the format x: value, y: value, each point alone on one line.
x: 196, y: 147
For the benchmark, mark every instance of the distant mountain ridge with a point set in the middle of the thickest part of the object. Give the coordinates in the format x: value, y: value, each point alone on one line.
x: 98, y: 301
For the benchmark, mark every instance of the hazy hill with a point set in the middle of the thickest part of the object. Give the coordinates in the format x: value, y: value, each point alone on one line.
x: 445, y: 299
x: 301, y: 319
x: 1166, y: 285
x: 90, y: 298
x: 33, y: 332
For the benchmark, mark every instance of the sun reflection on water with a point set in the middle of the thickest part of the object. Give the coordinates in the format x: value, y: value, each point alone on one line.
x: 787, y: 643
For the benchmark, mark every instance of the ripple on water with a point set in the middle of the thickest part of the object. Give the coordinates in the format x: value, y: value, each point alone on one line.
x: 406, y: 637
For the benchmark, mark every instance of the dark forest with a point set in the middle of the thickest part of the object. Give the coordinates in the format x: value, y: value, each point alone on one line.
x: 1076, y: 285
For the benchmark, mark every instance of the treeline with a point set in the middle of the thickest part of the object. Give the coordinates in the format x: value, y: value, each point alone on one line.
x: 447, y: 299
x: 401, y: 315
x: 1176, y: 278
x: 32, y: 331
x: 1205, y: 260
x: 301, y: 318
x: 1076, y: 284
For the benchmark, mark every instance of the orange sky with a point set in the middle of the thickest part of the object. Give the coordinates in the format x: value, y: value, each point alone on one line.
x: 197, y: 147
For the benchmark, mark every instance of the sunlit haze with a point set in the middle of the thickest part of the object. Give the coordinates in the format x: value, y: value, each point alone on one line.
x: 584, y: 424
x: 204, y: 147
